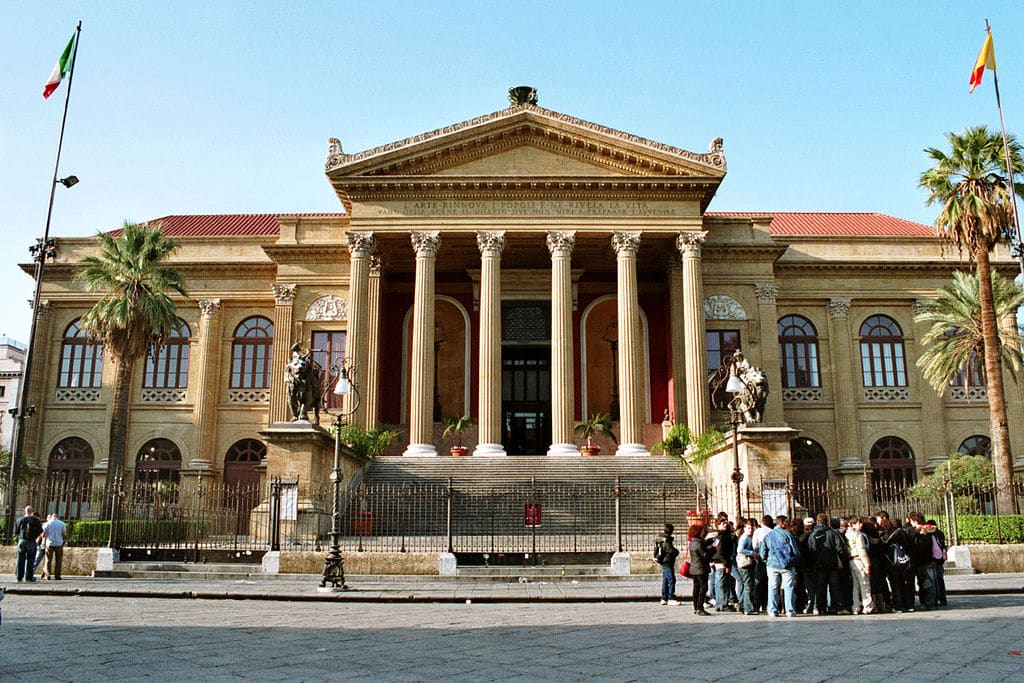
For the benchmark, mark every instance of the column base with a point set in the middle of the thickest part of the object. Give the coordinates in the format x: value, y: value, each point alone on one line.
x: 420, y: 450
x: 632, y: 449
x: 489, y: 450
x: 560, y: 450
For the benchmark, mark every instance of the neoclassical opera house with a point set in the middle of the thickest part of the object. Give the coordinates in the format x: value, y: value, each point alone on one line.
x: 526, y: 268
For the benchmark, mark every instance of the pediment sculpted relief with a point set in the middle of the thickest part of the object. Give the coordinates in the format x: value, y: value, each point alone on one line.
x: 722, y: 307
x: 329, y: 307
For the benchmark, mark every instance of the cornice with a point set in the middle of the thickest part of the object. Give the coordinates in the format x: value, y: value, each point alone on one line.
x: 794, y: 267
x: 191, y: 271
x: 307, y: 253
x: 526, y: 124
x: 409, y: 187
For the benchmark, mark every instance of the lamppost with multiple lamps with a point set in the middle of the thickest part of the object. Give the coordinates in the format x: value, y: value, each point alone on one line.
x: 736, y: 388
x: 334, y: 566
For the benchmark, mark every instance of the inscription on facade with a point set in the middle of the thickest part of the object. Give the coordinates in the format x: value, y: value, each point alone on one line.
x: 455, y: 207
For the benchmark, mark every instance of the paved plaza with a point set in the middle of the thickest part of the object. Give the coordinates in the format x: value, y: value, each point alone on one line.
x: 978, y: 638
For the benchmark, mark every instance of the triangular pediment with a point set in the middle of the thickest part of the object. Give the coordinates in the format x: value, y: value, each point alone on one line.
x: 525, y: 140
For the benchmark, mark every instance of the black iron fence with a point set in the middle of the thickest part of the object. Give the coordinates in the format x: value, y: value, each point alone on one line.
x: 200, y: 515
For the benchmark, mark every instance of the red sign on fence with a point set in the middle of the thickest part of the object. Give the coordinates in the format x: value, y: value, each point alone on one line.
x: 531, y: 514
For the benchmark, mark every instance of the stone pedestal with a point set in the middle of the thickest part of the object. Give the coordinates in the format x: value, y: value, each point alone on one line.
x: 764, y: 461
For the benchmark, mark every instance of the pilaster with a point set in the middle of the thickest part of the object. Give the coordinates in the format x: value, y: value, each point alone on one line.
x: 844, y: 387
x: 36, y: 392
x: 767, y: 293
x: 371, y: 373
x: 205, y: 385
x: 284, y: 300
x: 677, y: 328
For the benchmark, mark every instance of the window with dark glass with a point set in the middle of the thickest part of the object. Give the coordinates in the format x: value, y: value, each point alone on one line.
x: 976, y: 445
x: 720, y: 343
x: 798, y: 348
x: 251, y: 353
x: 68, y: 481
x: 167, y: 363
x: 329, y: 349
x: 892, y: 466
x: 81, y: 359
x: 883, y: 361
x: 159, y: 460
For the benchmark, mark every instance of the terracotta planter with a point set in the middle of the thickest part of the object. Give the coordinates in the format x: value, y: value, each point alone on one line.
x: 590, y: 450
x: 362, y: 524
x: 459, y: 451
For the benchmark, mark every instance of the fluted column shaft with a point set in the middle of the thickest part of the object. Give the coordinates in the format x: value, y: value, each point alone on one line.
x: 204, y: 399
x: 421, y: 394
x: 491, y: 245
x: 284, y: 299
x: 845, y: 397
x: 38, y: 388
x: 768, y: 315
x: 698, y: 415
x: 631, y: 407
x: 359, y: 247
x: 677, y: 328
x: 371, y: 374
x: 561, y: 244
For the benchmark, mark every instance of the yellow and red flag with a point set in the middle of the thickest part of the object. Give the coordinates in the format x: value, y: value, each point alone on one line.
x: 986, y: 58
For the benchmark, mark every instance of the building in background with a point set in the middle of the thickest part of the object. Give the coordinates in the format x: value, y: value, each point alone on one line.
x: 12, y: 365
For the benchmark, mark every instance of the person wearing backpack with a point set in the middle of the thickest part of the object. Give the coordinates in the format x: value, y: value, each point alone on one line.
x: 780, y: 554
x: 829, y: 551
x: 27, y: 529
x: 901, y: 574
x: 665, y: 554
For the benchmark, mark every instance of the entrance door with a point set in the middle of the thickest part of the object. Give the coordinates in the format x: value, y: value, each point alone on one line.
x: 526, y: 399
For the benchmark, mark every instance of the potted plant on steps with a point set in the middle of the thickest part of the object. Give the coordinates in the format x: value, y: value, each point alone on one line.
x: 692, y: 452
x: 598, y: 424
x: 456, y: 426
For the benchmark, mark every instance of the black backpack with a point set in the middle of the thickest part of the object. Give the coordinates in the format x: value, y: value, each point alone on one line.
x: 31, y: 529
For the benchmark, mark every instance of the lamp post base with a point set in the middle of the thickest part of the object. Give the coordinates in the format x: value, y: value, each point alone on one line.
x: 334, y: 573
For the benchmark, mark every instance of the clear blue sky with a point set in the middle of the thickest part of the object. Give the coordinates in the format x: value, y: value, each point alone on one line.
x: 226, y: 107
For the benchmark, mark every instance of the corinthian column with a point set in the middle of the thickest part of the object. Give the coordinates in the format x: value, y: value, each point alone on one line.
x: 631, y: 429
x: 698, y: 415
x: 284, y: 298
x: 561, y: 244
x: 421, y: 394
x: 491, y: 245
x: 359, y: 247
x: 204, y: 399
x: 844, y: 385
x: 371, y: 374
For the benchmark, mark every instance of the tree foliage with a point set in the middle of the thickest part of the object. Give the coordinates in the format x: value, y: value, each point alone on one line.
x: 963, y: 475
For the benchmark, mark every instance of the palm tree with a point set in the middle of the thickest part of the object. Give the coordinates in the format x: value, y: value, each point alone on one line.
x: 954, y: 341
x: 971, y: 184
x: 134, y: 313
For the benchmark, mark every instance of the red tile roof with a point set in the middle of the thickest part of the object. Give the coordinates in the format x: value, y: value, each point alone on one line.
x: 784, y: 223
x: 825, y: 224
x: 234, y: 225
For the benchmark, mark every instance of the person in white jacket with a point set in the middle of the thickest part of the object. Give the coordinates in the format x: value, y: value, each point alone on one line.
x: 860, y: 568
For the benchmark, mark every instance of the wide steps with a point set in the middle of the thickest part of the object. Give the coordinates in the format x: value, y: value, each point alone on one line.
x: 183, y: 570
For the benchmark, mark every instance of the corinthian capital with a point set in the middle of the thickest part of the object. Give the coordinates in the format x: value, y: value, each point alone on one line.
x: 360, y: 243
x: 284, y: 294
x: 376, y: 265
x: 689, y: 243
x: 426, y: 243
x: 766, y: 292
x: 490, y: 243
x: 839, y: 308
x: 626, y: 243
x: 209, y: 307
x: 561, y: 243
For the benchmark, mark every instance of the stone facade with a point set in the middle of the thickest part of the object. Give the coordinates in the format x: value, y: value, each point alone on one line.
x: 529, y: 269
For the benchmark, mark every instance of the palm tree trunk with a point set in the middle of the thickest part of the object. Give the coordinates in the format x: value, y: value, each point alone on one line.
x: 1000, y: 433
x: 118, y: 445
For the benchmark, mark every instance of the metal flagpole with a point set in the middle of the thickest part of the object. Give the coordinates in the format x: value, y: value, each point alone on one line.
x: 42, y: 250
x: 1016, y: 244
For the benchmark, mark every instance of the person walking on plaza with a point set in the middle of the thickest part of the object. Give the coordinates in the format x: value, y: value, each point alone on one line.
x: 27, y: 529
x: 699, y: 568
x: 55, y: 532
x: 665, y: 554
x: 780, y: 553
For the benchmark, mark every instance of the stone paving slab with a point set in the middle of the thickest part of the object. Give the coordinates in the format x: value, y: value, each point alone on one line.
x: 366, y: 588
x: 978, y: 638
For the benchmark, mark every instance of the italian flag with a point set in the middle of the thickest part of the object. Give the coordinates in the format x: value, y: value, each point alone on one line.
x: 986, y: 58
x: 61, y: 68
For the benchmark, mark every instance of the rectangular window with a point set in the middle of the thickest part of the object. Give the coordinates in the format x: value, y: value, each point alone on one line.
x: 720, y: 343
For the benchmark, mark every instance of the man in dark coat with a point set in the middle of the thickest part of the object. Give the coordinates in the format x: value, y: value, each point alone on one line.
x: 27, y: 529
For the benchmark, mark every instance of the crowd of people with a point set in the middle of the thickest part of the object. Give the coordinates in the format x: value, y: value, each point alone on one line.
x: 819, y: 565
x: 37, y: 541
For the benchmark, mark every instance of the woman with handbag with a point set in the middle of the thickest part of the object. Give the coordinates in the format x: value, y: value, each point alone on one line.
x: 697, y: 559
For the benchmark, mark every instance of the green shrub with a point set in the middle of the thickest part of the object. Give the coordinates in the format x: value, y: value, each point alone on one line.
x: 982, y: 528
x: 142, y: 531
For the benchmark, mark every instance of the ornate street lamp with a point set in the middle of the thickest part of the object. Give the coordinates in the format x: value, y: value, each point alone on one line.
x: 334, y: 567
x: 611, y: 335
x: 736, y: 387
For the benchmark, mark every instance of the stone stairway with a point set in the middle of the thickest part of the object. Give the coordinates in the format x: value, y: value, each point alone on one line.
x: 183, y: 570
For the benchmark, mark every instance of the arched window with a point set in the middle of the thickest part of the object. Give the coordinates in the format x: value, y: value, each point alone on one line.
x: 67, y: 480
x: 159, y: 460
x: 883, y: 361
x: 241, y: 461
x: 81, y: 359
x: 167, y: 364
x: 892, y: 464
x: 972, y: 375
x: 976, y: 445
x: 250, y: 353
x: 798, y: 348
